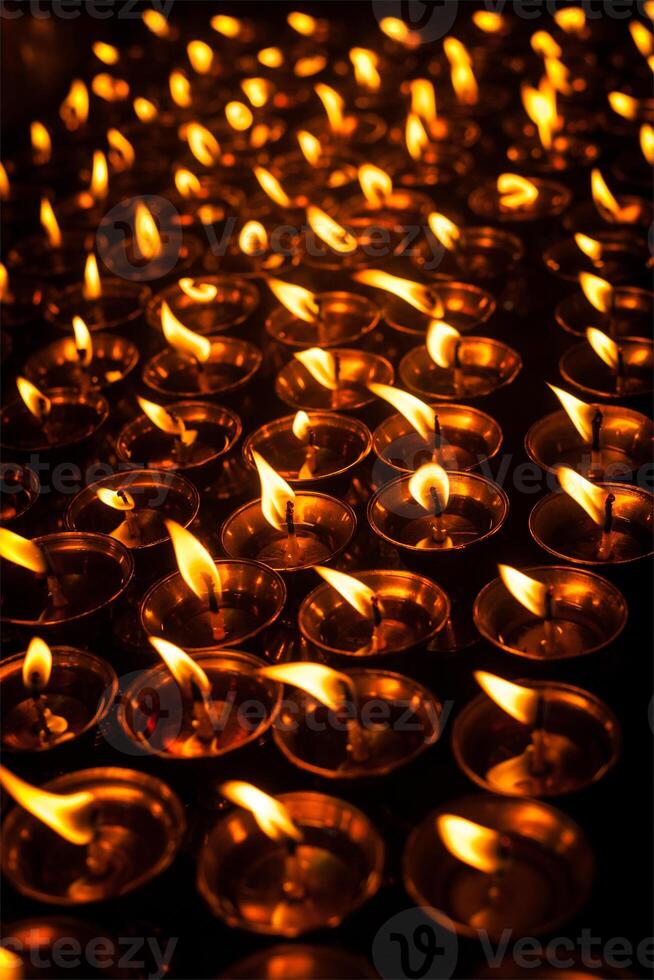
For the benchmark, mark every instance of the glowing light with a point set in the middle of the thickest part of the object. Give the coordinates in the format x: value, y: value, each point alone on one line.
x: 623, y: 105
x: 488, y: 21
x: 74, y: 110
x: 365, y: 68
x: 200, y: 292
x: 580, y: 414
x: 200, y: 55
x: 256, y: 90
x: 99, y: 186
x: 145, y: 110
x: 272, y: 187
x: 253, y: 238
x: 327, y: 686
x: 430, y: 477
x: 357, y: 594
x: 604, y: 347
x: 463, y: 78
x: 415, y: 136
x: 41, y: 143
x: 572, y: 20
x: 156, y: 22
x: 646, y: 139
x: 187, y: 183
x: 301, y: 427
x: 333, y: 104
x: 180, y: 89
x: 167, y: 422
x: 606, y: 203
x: 106, y: 53
x: 275, y: 493
x: 4, y: 184
x: 529, y: 593
x: 117, y: 500
x: 442, y: 343
x: 183, y: 339
x: 375, y: 183
x: 396, y: 30
x: 121, y: 154
x: 589, y: 246
x: 186, y: 671
x: 146, y: 233
x: 109, y: 88
x: 589, y: 496
x: 642, y: 38
x: 21, y: 551
x: 515, y: 191
x: 196, y: 566
x: 445, y: 230
x: 203, y: 145
x: 36, y: 402
x: 321, y: 366
x: 299, y: 301
x: 227, y: 26
x: 419, y: 414
x: 423, y: 99
x: 598, y: 292
x: 544, y: 45
x: 271, y: 816
x: 69, y: 815
x: 421, y: 297
x: 83, y: 342
x: 271, y: 57
x: 540, y: 106
x: 330, y: 232
x: 37, y: 665
x: 477, y: 846
x: 304, y: 24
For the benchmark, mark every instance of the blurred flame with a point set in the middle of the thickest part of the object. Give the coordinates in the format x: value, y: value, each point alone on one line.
x: 146, y: 233
x: 623, y: 105
x: 68, y: 814
x: 519, y: 702
x: 529, y: 593
x: 156, y: 22
x: 558, y: 76
x: 187, y: 183
x: 414, y: 293
x: 11, y: 965
x: 37, y: 403
x: 540, y: 106
x: 271, y: 57
x: 74, y: 110
x: 321, y: 366
x: 200, y: 55
x: 37, y: 665
x: 145, y: 109
x: 326, y: 685
x: 642, y: 38
x: 21, y: 551
x: 603, y: 346
x: 415, y: 136
x: 310, y: 147
x: 463, y: 78
x: 5, y: 295
x: 99, y: 186
x: 106, y: 53
x: 606, y: 203
x: 572, y: 20
x: 118, y: 500
x: 180, y: 89
x: 376, y: 184
x: 83, y: 342
x: 183, y: 339
x: 203, y: 145
x: 196, y: 566
x: 488, y: 21
x: 330, y: 232
x: 477, y: 846
x: 580, y: 414
x: 427, y: 477
x: 445, y: 230
x: 200, y: 292
x: 304, y: 24
x: 238, y: 116
x: 589, y: 246
x: 423, y: 99
x: 365, y: 68
x: 123, y: 154
x: 358, y: 595
x: 271, y: 816
x: 396, y: 30
x: 227, y: 26
x: 92, y: 288
x: 256, y: 90
x: 311, y: 65
x: 544, y: 45
x: 275, y: 493
x: 297, y: 300
x: 4, y: 184
x: 259, y: 135
x: 165, y: 421
x: 419, y: 414
x: 589, y: 496
x: 253, y: 238
x: 41, y: 142
x: 110, y: 89
x: 333, y: 105
x: 516, y: 191
x: 598, y: 292
x: 181, y: 666
x: 646, y: 139
x: 272, y: 187
x: 441, y: 343
x: 301, y: 427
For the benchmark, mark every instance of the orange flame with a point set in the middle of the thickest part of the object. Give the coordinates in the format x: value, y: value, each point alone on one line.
x: 37, y: 665
x: 442, y: 342
x: 203, y: 145
x: 397, y: 30
x: 271, y: 816
x: 558, y: 76
x: 187, y: 183
x: 572, y: 20
x: 21, y: 551
x: 423, y: 99
x: 238, y: 116
x: 146, y: 233
x: 516, y: 191
x: 118, y: 500
x: 200, y: 55
x: 4, y: 184
x: 145, y: 110
x: 165, y: 421
x: 333, y: 104
x: 106, y: 53
x: 598, y: 292
x: 646, y: 139
x: 606, y: 203
x: 580, y: 414
x: 589, y: 496
x: 420, y: 415
x: 421, y: 297
x: 415, y: 136
x: 463, y: 78
x: 310, y: 147
x: 589, y: 246
x: 430, y: 477
x: 488, y: 21
x: 199, y: 292
x: 324, y: 684
x: 11, y: 965
x: 376, y: 184
x: 5, y: 294
x: 180, y: 89
x: 99, y: 186
x: 37, y: 403
x: 540, y: 106
x: 301, y: 427
x: 183, y: 339
x: 275, y: 493
x: 445, y: 230
x: 185, y: 670
x: 156, y: 22
x: 304, y: 24
x: 477, y: 846
x: 121, y: 154
x: 311, y: 65
x: 196, y: 566
x: 529, y: 593
x: 642, y: 38
x: 74, y: 110
x: 365, y: 68
x: 256, y: 90
x: 41, y: 143
x: 604, y: 347
x: 225, y: 25
x: 544, y: 45
x: 321, y: 366
x: 83, y: 342
x: 297, y: 300
x: 272, y: 187
x: 92, y: 285
x: 253, y: 238
x: 519, y: 702
x: 330, y: 232
x: 623, y: 105
x: 271, y: 57
x: 358, y: 595
x: 70, y: 815
x: 110, y: 89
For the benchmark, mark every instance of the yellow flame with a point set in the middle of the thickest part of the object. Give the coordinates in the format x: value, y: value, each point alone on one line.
x: 589, y: 246
x: 11, y: 965
x: 333, y: 104
x: 427, y: 477
x: 122, y: 500
x: 419, y: 414
x: 623, y: 105
x: 558, y: 76
x: 423, y: 99
x: 146, y: 233
x: 238, y: 116
x: 488, y: 21
x: 544, y: 45
x: 196, y: 566
x: 477, y: 846
x: 414, y: 293
x: 156, y: 22
x: 200, y: 55
x: 310, y: 147
x: 271, y: 816
x: 259, y: 135
x: 83, y: 342
x: 37, y: 665
x: 463, y: 78
x: 181, y: 666
x: 21, y: 551
x: 321, y: 366
x: 648, y: 7
x: 109, y: 88
x: 365, y: 68
x: 519, y: 702
x: 598, y: 292
x: 180, y: 89
x: 572, y: 20
x: 311, y: 65
x: 187, y: 183
x: 271, y: 57
x: 123, y: 156
x: 69, y: 814
x: 74, y: 110
x: 304, y: 24
x: 376, y: 184
x: 330, y: 232
x: 445, y: 230
x: 603, y: 346
x: 99, y: 186
x: 415, y: 136
x: 529, y: 593
x: 358, y: 595
x: 299, y: 301
x: 395, y: 29
x: 540, y: 106
x: 515, y: 191
x: 41, y: 142
x: 225, y: 25
x: 199, y: 292
x: 183, y: 339
x: 203, y: 145
x: 301, y: 426
x: 106, y: 53
x: 5, y: 294
x: 37, y: 403
x: 4, y: 184
x: 441, y: 342
x: 607, y: 205
x: 272, y: 187
x: 253, y: 238
x: 256, y: 90
x: 145, y: 110
x: 165, y: 421
x: 646, y: 138
x: 589, y: 496
x: 327, y: 686
x: 92, y: 285
x: 275, y: 493
x: 580, y: 414
x: 642, y: 38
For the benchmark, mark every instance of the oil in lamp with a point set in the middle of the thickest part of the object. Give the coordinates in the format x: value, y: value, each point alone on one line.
x: 341, y: 128
x: 19, y: 491
x: 54, y: 256
x: 91, y: 835
x: 199, y: 702
x: 287, y: 530
x: 594, y: 523
x: 53, y: 420
x: 599, y: 441
x: 453, y: 367
x: 511, y: 198
x: 256, y: 250
x: 454, y: 436
x: 372, y: 613
x: 338, y: 379
x: 53, y: 696
x: 618, y: 256
x: 605, y: 368
x: 626, y: 212
x: 328, y: 319
x: 549, y: 613
x: 210, y: 603
x: 493, y: 863
x: 149, y: 251
x: 208, y: 305
x: 197, y: 365
x: 288, y: 864
x: 476, y: 253
x: 621, y: 311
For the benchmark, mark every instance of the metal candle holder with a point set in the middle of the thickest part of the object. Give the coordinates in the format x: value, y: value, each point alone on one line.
x: 344, y: 318
x: 552, y: 200
x: 119, y: 307
x: 464, y: 306
x: 480, y: 253
x: 19, y: 491
x: 486, y: 366
x: 630, y: 316
x: 232, y: 364
x: 580, y: 366
x: 58, y: 364
x: 235, y: 301
x: 357, y: 369
x: 74, y: 419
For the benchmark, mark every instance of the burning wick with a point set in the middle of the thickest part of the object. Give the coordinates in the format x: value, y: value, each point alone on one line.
x: 610, y: 352
x: 38, y: 404
x: 122, y: 501
x: 306, y: 434
x: 325, y: 368
x: 24, y: 552
x: 195, y: 688
x: 597, y: 502
x: 292, y: 551
x: 423, y: 419
x: 37, y: 667
x: 537, y: 598
x: 169, y: 422
x: 588, y: 421
x: 200, y: 573
x: 188, y: 342
x: 481, y: 848
x: 444, y: 347
x: 429, y: 486
x: 362, y: 598
x: 278, y: 507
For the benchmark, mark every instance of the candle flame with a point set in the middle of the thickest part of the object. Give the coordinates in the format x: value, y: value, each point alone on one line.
x: 604, y: 347
x: 415, y: 136
x: 106, y: 53
x: 421, y: 297
x: 185, y: 670
x: 145, y: 110
x: 271, y: 186
x: 598, y: 292
x: 589, y: 246
x: 376, y: 184
x: 365, y: 68
x: 156, y: 22
x: 271, y: 57
x: 180, y: 89
x: 463, y: 78
x: 166, y: 421
x: 477, y: 846
x: 518, y: 701
x: 183, y: 339
x: 488, y: 21
x: 4, y: 184
x: 49, y: 223
x: 544, y: 45
x: 330, y: 232
x: 196, y: 566
x: 589, y: 496
x: 529, y: 593
x: 333, y: 104
x: 445, y: 230
x: 21, y: 551
x: 516, y: 191
x: 92, y: 285
x: 99, y: 186
x: 580, y: 414
x: 304, y: 24
x: 199, y: 292
x: 11, y: 965
x: 540, y: 106
x: 442, y: 342
x: 419, y: 414
x: 327, y: 686
x: 225, y: 25
x: 311, y: 65
x: 253, y: 238
x: 110, y: 89
x: 256, y: 90
x: 238, y: 116
x: 396, y: 30
x: 41, y: 143
x: 642, y: 38
x: 5, y: 294
x: 423, y: 99
x: 310, y: 147
x: 37, y: 403
x: 558, y: 76
x: 301, y: 427
x: 299, y: 301
x: 200, y: 55
x: 187, y: 183
x: 117, y: 499
x: 646, y: 139
x: 259, y: 135
x: 146, y: 233
x: 83, y: 342
x: 271, y: 816
x: 358, y: 595
x: 572, y: 20
x: 430, y: 477
x: 321, y: 366
x: 606, y: 203
x: 275, y: 493
x: 74, y: 110
x: 623, y: 105
x: 68, y: 814
x: 123, y: 156
x: 203, y: 145
x: 37, y: 665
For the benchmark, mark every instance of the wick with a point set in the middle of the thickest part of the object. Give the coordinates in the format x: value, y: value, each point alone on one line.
x: 357, y: 744
x: 55, y: 592
x: 291, y: 541
x: 376, y: 621
x: 38, y: 706
x: 130, y: 518
x: 218, y: 629
x: 438, y: 439
x: 538, y: 763
x: 202, y: 710
x: 439, y: 533
x: 292, y: 886
x: 595, y: 457
x: 606, y: 540
x: 457, y: 380
x: 337, y: 379
x: 620, y: 372
x: 43, y: 414
x: 548, y: 625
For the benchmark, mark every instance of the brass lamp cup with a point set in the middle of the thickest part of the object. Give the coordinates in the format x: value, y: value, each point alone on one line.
x: 19, y: 491
x: 296, y: 388
x: 93, y: 571
x: 236, y: 686
x: 622, y: 253
x: 414, y: 609
x: 552, y: 864
x: 344, y: 319
x: 122, y: 303
x: 465, y: 307
x: 406, y: 723
x: 632, y: 314
x: 484, y: 736
x: 253, y: 596
x: 486, y: 366
x: 246, y: 534
x: 35, y: 259
x: 75, y: 417
x: 278, y: 258
x: 39, y: 939
x: 594, y: 612
x: 480, y: 253
x: 235, y: 301
x: 339, y: 842
x: 342, y: 444
x: 627, y: 441
x: 580, y: 366
x: 468, y: 438
x: 81, y: 687
x: 232, y: 364
x: 140, y: 826
x: 58, y: 366
x: 298, y: 961
x: 586, y: 218
x: 553, y: 198
x: 559, y: 525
